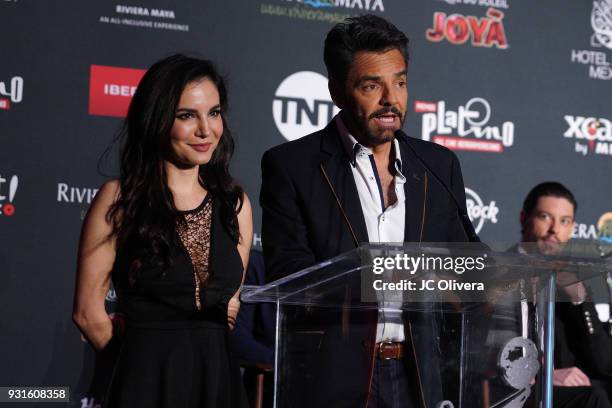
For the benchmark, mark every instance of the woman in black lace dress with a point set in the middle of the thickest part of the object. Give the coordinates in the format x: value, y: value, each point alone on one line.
x: 173, y: 233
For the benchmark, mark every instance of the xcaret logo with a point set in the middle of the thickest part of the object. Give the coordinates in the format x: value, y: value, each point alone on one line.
x: 601, y: 39
x: 478, y: 211
x: 13, y: 89
x: 8, y: 189
x: 591, y: 135
x: 466, y: 128
x: 457, y: 29
x: 111, y: 89
x: 302, y: 104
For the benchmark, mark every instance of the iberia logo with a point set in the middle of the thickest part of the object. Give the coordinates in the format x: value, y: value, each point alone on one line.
x: 456, y: 28
x: 466, y: 128
x: 111, y: 89
x: 7, y: 207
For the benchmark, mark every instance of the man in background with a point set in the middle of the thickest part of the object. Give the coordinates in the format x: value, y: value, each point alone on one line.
x: 583, y: 348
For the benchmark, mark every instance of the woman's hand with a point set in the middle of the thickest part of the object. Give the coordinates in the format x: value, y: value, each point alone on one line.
x: 232, y: 311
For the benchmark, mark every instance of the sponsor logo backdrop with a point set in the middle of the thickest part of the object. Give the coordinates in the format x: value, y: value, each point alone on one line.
x: 519, y: 90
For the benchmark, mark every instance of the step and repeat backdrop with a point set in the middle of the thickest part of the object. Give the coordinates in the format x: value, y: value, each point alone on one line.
x: 520, y: 90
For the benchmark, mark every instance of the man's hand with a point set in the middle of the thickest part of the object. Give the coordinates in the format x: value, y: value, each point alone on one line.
x: 570, y: 377
x: 232, y: 311
x: 574, y: 289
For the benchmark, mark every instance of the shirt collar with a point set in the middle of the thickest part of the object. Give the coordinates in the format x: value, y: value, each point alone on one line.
x: 353, y: 148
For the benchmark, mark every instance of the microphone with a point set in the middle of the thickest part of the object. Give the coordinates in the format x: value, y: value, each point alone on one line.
x: 468, y: 228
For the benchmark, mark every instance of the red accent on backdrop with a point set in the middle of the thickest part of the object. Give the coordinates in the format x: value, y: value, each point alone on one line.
x: 111, y: 89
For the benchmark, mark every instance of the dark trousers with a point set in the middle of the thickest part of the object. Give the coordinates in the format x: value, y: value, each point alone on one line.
x: 580, y: 397
x: 391, y: 385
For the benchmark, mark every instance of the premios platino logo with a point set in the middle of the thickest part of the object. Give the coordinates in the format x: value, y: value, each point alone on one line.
x: 467, y: 127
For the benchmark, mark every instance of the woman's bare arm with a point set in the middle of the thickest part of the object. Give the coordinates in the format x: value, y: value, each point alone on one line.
x: 95, y: 262
x: 245, y: 224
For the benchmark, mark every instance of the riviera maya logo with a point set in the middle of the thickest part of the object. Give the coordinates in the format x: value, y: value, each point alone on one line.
x: 332, y: 11
x: 601, y: 20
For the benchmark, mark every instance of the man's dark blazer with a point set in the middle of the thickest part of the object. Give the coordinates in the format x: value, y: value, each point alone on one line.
x: 302, y: 225
x: 582, y: 341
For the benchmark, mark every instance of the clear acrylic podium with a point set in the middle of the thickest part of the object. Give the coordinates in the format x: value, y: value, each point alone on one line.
x: 474, y: 337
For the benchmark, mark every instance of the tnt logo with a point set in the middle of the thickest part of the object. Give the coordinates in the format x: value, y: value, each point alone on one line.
x: 478, y: 211
x: 6, y: 201
x: 302, y: 105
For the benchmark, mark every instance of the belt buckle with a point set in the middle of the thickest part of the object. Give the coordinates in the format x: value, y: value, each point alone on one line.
x: 380, y: 348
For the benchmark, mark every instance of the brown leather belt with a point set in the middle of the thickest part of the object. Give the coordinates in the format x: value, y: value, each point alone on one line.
x: 389, y: 350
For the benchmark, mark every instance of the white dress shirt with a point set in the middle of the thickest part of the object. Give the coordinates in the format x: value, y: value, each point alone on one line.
x: 383, y: 224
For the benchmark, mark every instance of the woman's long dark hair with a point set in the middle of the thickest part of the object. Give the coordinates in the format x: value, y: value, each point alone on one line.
x: 144, y: 215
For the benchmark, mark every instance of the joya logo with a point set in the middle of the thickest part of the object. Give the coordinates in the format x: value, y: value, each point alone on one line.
x: 457, y: 29
x: 478, y: 211
x: 470, y: 120
x: 14, y: 91
x: 302, y: 104
x: 7, y: 208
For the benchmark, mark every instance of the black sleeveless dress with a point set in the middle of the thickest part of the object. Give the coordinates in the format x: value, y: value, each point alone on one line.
x: 174, y: 349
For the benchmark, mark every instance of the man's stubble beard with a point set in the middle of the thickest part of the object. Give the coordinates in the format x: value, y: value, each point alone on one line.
x: 367, y: 135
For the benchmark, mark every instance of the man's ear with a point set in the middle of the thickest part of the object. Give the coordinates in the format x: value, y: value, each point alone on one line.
x: 337, y: 92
